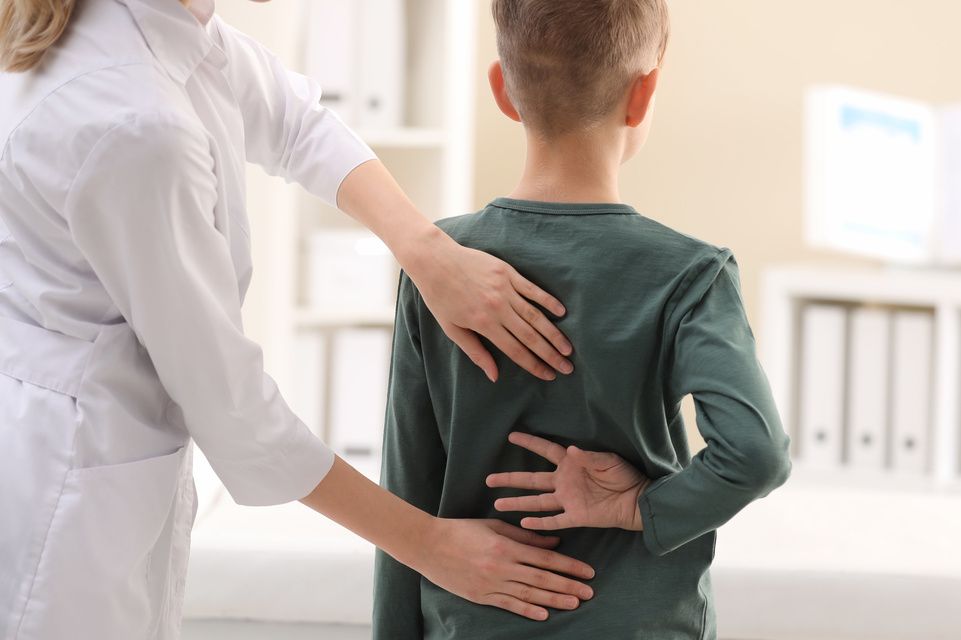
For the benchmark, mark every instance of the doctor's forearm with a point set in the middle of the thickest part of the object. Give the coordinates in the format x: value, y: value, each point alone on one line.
x: 371, y: 195
x: 348, y: 498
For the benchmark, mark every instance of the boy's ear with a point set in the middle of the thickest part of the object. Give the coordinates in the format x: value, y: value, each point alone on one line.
x: 499, y: 87
x: 641, y: 98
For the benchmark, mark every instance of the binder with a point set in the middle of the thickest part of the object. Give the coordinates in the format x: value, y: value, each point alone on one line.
x: 331, y: 53
x: 822, y: 384
x: 381, y: 77
x: 911, y: 394
x: 307, y: 394
x: 361, y: 363
x: 868, y: 373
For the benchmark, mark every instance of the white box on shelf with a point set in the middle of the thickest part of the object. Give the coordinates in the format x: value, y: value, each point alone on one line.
x: 307, y: 395
x: 868, y: 376
x: 382, y: 76
x: 359, y: 379
x: 350, y: 270
x: 949, y: 228
x: 330, y: 49
x: 821, y: 406
x: 912, y: 392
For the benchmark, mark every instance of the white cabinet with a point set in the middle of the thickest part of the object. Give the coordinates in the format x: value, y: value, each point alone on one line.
x: 430, y: 153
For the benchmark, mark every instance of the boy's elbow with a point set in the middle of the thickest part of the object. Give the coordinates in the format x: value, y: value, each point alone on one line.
x: 768, y: 466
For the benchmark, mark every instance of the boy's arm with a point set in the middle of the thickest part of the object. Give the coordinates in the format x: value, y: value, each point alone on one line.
x: 746, y: 457
x: 713, y: 358
x: 413, y: 469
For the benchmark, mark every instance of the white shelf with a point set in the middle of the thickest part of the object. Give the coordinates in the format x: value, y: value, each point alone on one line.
x: 788, y: 289
x: 336, y: 319
x: 404, y: 138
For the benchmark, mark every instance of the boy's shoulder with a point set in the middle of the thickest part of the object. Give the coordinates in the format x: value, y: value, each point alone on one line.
x: 629, y: 233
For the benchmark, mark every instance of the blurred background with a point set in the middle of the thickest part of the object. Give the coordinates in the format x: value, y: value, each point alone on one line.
x: 820, y: 141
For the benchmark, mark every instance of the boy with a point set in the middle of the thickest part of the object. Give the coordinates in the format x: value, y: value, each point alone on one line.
x: 654, y: 315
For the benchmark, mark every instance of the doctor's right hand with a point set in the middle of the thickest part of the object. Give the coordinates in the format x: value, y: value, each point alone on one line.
x: 490, y: 562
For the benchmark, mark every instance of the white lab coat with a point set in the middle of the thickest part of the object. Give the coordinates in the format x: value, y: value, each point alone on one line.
x: 124, y: 261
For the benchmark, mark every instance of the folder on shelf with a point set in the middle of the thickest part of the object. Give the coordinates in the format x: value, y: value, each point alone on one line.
x: 822, y: 384
x: 330, y: 51
x: 360, y: 370
x: 868, y: 374
x: 911, y: 394
x: 382, y: 69
x: 309, y: 380
x: 356, y: 50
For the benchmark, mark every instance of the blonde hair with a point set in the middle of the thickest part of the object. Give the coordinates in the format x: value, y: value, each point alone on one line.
x: 568, y: 62
x: 28, y: 28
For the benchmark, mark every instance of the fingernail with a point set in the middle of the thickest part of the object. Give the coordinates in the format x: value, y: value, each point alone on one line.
x: 567, y: 368
x: 542, y: 615
x: 573, y: 603
x: 567, y: 349
x: 587, y: 594
x: 550, y: 376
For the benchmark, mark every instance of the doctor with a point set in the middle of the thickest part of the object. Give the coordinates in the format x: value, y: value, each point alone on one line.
x: 125, y: 127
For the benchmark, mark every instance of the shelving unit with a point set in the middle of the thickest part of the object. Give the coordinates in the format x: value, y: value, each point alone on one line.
x: 244, y: 561
x: 431, y: 155
x: 787, y: 291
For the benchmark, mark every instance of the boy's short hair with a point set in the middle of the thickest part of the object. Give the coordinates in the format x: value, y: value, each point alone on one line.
x: 567, y: 63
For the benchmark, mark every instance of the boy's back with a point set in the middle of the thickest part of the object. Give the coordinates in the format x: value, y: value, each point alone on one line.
x: 654, y: 315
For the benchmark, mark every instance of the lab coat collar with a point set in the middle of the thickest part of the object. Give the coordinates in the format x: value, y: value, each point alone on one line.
x: 178, y: 41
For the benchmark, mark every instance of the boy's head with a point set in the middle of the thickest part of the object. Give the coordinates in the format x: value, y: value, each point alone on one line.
x: 567, y: 65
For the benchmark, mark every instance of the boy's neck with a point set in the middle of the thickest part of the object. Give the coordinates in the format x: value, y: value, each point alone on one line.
x: 578, y: 168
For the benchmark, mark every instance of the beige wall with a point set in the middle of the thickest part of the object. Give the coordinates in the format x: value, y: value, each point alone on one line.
x: 724, y: 160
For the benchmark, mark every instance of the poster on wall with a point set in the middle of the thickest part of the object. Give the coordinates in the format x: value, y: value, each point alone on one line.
x: 871, y: 174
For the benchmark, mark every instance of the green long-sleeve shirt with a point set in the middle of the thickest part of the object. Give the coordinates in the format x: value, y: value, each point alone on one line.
x: 654, y: 315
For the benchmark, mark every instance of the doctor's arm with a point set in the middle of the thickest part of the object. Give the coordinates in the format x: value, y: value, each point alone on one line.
x: 144, y: 212
x: 290, y: 134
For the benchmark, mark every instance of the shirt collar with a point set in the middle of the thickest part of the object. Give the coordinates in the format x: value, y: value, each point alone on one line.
x: 175, y: 37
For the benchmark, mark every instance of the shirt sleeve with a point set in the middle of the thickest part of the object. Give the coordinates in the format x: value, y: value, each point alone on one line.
x: 286, y: 129
x: 713, y: 357
x: 142, y: 210
x: 413, y: 468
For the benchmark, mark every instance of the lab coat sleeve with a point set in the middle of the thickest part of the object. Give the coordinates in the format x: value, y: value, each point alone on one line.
x: 142, y: 212
x: 713, y: 358
x: 286, y: 129
x: 413, y: 468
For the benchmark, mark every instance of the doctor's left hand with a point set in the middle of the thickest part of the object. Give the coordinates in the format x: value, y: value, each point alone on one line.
x: 471, y: 292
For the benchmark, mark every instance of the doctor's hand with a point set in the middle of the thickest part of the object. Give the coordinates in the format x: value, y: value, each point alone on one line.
x: 588, y: 489
x: 471, y: 292
x: 492, y: 563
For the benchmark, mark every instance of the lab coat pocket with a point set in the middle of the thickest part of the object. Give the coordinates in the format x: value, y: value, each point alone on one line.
x: 95, y: 573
